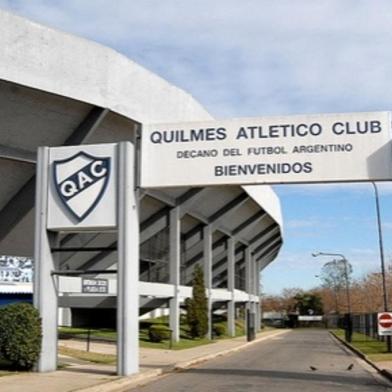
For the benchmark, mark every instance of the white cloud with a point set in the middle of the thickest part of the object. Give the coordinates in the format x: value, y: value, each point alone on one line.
x: 299, y: 223
x: 311, y: 223
x: 363, y: 260
x: 387, y: 225
x: 252, y: 57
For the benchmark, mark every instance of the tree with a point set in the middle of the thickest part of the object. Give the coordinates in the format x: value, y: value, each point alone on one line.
x: 309, y: 303
x: 288, y: 298
x: 197, y: 306
x: 284, y: 302
x: 335, y: 275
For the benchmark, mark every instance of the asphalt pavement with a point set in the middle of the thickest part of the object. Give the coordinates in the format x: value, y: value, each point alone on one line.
x: 301, y: 360
x: 78, y: 375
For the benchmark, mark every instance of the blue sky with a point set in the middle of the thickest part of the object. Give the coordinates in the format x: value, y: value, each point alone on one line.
x: 262, y: 57
x: 331, y: 219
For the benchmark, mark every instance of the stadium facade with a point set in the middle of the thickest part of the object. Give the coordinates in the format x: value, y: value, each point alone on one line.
x: 60, y: 90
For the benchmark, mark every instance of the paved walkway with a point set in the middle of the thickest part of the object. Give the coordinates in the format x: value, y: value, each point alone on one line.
x: 83, y: 376
x: 304, y: 360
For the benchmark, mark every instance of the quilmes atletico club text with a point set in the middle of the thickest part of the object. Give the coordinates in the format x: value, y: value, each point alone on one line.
x: 260, y: 132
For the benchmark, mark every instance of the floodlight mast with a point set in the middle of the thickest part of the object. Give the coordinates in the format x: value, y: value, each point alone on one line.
x: 343, y: 258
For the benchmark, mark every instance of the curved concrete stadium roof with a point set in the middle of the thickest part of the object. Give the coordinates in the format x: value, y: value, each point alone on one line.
x: 52, y: 61
x: 57, y: 89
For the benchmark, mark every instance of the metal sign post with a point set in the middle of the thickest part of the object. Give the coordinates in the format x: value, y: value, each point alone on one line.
x: 89, y: 187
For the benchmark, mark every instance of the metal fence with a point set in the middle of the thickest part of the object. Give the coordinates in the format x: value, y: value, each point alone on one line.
x: 364, y: 323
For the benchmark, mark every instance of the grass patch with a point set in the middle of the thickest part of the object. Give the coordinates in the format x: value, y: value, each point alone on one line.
x: 81, y: 333
x: 61, y: 366
x: 186, y: 341
x: 88, y: 356
x: 380, y: 357
x: 239, y: 327
x: 375, y: 350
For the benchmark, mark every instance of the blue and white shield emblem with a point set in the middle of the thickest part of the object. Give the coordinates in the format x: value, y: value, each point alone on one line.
x: 81, y: 181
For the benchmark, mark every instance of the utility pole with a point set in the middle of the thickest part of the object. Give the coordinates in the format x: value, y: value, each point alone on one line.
x: 381, y: 247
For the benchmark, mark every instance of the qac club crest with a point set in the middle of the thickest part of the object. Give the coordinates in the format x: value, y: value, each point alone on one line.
x: 81, y: 182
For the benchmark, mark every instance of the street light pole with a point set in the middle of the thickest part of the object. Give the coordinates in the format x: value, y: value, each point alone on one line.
x: 347, y: 285
x: 349, y: 321
x: 380, y: 242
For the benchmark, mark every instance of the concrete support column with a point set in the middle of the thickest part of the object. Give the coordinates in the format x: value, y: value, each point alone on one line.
x: 248, y: 272
x: 248, y: 281
x: 65, y: 317
x: 45, y: 293
x: 231, y: 286
x: 174, y: 270
x: 253, y: 283
x: 260, y: 307
x: 128, y: 264
x: 257, y: 293
x: 207, y: 253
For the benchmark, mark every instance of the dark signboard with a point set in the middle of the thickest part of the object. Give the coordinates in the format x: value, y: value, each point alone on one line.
x: 95, y: 286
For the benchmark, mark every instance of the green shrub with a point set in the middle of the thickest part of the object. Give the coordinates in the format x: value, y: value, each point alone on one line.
x: 158, y: 332
x: 219, y: 330
x: 197, y: 307
x: 20, y: 335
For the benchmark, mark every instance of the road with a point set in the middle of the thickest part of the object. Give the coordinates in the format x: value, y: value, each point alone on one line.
x: 280, y: 364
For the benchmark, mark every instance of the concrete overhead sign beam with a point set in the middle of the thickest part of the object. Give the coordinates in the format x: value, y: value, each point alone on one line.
x: 268, y: 150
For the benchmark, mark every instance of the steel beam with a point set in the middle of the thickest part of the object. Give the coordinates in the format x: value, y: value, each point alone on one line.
x: 17, y: 154
x: 263, y: 233
x: 265, y: 243
x: 275, y: 244
x: 228, y: 208
x: 190, y: 197
x: 249, y: 223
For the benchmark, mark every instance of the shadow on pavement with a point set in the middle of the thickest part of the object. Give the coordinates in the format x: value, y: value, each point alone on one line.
x: 352, y: 379
x: 75, y: 369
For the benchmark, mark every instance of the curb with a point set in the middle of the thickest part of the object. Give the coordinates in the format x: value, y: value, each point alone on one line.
x: 384, y: 372
x: 124, y: 383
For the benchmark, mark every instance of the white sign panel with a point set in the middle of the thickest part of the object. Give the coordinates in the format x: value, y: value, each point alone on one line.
x: 268, y: 150
x: 82, y: 188
x: 384, y: 321
x: 310, y: 318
